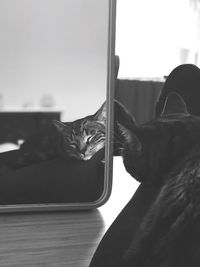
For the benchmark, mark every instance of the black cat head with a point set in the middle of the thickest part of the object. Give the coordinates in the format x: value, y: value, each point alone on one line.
x: 84, y: 137
x: 156, y: 147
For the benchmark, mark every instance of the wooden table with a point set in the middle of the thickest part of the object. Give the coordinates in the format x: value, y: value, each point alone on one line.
x: 62, y: 239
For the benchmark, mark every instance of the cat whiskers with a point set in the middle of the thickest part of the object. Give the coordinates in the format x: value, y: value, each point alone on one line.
x: 117, y: 140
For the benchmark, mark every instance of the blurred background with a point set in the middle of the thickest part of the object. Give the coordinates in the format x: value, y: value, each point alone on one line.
x: 152, y: 37
x: 53, y: 56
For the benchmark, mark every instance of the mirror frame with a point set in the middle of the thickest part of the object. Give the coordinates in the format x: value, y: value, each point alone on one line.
x: 110, y: 84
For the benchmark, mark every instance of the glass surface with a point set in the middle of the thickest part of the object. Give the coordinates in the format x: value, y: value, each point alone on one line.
x: 54, y: 65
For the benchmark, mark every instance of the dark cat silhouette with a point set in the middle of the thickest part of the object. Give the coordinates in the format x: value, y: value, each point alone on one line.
x: 79, y: 139
x: 166, y: 152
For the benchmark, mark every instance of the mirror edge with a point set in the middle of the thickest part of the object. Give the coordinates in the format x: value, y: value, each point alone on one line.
x: 109, y: 126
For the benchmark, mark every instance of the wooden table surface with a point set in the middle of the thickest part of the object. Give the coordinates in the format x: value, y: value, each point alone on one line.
x: 62, y: 238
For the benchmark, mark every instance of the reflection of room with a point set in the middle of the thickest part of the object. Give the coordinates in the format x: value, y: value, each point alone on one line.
x: 55, y: 67
x: 51, y: 63
x: 54, y: 59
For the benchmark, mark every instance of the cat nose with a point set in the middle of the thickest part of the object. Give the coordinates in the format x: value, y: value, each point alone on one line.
x: 82, y: 153
x: 83, y: 150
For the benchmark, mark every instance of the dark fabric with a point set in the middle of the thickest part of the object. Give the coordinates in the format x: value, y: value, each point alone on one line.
x: 54, y: 181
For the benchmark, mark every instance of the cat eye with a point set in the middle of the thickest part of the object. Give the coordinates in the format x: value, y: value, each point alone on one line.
x: 89, y: 139
x: 75, y: 146
x: 56, y: 103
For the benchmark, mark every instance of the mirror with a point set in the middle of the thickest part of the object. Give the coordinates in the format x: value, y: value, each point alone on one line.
x: 56, y: 83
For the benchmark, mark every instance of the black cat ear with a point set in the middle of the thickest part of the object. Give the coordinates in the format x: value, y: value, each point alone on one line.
x: 129, y: 137
x: 60, y: 126
x: 124, y: 132
x: 100, y: 115
x: 123, y: 116
x: 174, y: 104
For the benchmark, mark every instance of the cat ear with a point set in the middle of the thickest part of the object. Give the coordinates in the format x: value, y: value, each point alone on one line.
x: 100, y: 115
x: 174, y: 104
x: 60, y: 126
x: 124, y: 132
x: 129, y: 137
x: 123, y: 116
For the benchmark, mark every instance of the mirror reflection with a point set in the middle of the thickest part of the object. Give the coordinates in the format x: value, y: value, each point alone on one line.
x: 53, y: 65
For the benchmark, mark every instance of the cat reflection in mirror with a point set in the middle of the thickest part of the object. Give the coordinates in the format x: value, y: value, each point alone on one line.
x: 79, y: 140
x: 165, y: 152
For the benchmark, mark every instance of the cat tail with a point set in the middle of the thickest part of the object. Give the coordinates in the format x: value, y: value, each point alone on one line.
x: 162, y: 225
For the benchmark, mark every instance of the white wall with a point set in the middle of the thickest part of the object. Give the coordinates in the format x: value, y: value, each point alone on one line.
x: 154, y: 36
x: 54, y: 47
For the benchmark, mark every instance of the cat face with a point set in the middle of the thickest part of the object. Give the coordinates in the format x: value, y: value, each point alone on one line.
x: 154, y: 148
x: 84, y: 137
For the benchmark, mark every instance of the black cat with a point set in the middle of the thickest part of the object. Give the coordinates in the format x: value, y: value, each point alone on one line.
x: 166, y: 152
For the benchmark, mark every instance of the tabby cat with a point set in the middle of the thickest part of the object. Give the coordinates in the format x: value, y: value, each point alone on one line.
x: 166, y: 152
x: 79, y: 139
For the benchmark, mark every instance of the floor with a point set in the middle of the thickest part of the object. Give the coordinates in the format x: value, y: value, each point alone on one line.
x: 62, y: 238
